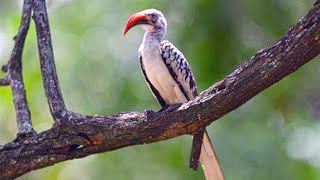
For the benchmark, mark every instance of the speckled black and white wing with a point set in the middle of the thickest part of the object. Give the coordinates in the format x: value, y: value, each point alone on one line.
x: 179, y: 69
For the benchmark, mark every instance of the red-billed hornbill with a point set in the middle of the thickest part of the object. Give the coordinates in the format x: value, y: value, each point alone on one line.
x: 171, y: 81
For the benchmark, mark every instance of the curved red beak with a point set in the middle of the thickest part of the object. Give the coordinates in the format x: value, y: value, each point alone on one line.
x: 136, y: 19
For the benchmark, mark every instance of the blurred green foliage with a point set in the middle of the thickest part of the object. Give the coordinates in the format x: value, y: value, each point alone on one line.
x: 275, y: 135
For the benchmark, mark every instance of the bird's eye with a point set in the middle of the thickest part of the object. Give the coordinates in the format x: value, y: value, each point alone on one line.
x: 153, y: 16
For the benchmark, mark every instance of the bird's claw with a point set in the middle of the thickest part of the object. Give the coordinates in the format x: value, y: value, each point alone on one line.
x: 169, y: 108
x: 149, y: 113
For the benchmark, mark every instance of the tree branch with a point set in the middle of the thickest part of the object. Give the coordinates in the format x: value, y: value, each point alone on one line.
x: 14, y: 75
x: 4, y: 82
x: 75, y: 135
x: 48, y: 68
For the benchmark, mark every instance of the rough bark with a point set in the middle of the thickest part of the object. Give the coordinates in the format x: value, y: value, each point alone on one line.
x: 14, y: 75
x: 74, y: 135
x: 48, y: 68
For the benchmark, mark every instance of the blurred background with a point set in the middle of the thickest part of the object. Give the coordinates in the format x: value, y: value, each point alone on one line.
x: 276, y: 135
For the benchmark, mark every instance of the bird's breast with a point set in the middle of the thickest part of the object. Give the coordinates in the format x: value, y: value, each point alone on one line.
x: 160, y: 77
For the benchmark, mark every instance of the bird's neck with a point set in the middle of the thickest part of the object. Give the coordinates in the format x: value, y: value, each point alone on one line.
x: 152, y: 39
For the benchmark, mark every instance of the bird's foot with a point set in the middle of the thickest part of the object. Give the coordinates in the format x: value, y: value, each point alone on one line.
x: 149, y: 113
x: 170, y: 107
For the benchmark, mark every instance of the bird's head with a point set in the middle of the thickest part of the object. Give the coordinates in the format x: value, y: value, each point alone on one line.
x: 151, y: 20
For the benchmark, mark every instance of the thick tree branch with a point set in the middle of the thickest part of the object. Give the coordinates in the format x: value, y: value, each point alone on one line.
x: 75, y: 135
x: 14, y: 75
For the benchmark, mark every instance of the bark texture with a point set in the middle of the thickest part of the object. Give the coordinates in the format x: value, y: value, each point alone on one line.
x: 75, y: 135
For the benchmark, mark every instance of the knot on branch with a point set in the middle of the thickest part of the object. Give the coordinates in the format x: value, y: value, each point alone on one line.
x: 4, y: 68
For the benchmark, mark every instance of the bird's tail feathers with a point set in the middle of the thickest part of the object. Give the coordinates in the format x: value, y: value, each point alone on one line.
x: 209, y: 160
x: 196, y: 149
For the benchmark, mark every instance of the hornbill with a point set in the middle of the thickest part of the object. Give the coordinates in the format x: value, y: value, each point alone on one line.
x: 171, y: 81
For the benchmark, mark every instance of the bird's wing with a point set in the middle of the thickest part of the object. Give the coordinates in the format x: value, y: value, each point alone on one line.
x: 153, y: 89
x: 179, y: 69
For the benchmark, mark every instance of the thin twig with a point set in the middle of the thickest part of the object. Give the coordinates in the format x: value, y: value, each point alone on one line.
x: 4, y: 82
x: 14, y: 75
